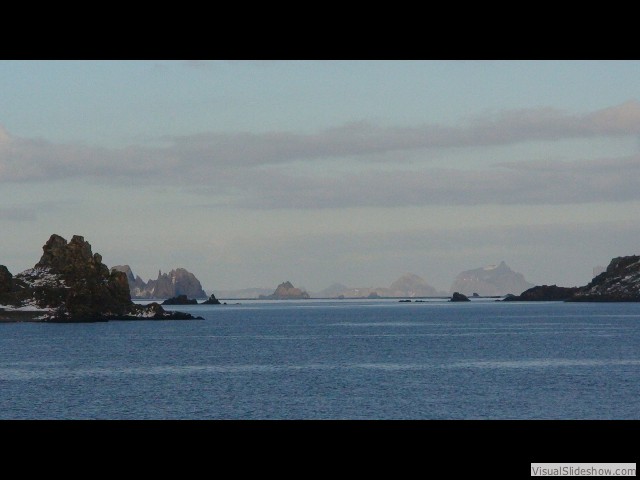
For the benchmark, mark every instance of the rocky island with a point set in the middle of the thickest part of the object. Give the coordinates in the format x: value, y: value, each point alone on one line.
x: 177, y: 282
x: 212, y: 300
x: 184, y: 300
x: 459, y: 297
x: 286, y: 291
x: 180, y: 300
x: 492, y: 280
x: 620, y: 282
x: 71, y: 284
x: 548, y: 293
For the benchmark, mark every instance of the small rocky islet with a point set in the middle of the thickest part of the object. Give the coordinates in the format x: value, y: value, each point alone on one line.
x: 184, y: 300
x: 459, y: 297
x: 286, y: 291
x: 71, y: 284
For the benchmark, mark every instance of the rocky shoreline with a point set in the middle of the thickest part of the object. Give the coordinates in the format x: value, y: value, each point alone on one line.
x: 620, y: 282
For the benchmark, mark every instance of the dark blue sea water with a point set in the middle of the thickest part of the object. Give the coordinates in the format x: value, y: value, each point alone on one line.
x: 372, y: 359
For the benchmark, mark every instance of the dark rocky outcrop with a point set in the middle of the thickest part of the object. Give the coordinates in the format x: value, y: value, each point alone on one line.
x: 493, y: 280
x: 212, y: 300
x: 286, y: 291
x: 6, y: 286
x: 620, y: 282
x: 459, y: 297
x: 180, y: 300
x: 168, y: 285
x: 154, y: 311
x: 543, y: 293
x: 71, y: 284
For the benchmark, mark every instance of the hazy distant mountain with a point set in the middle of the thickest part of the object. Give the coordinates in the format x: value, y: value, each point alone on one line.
x: 356, y: 292
x: 168, y: 285
x: 286, y: 291
x: 408, y: 285
x: 490, y: 280
x: 332, y: 291
x: 411, y: 285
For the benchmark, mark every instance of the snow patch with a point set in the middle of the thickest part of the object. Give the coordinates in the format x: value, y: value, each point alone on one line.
x: 28, y: 306
x: 149, y: 313
x: 41, y: 277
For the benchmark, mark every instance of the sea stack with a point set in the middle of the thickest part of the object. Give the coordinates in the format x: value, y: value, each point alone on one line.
x: 212, y: 300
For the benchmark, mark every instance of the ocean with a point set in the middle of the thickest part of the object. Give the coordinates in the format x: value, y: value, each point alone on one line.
x: 332, y: 359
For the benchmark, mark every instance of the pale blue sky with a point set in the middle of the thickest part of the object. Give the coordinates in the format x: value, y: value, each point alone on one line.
x: 250, y: 173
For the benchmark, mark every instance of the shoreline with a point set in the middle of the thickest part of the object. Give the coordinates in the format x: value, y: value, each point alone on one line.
x: 12, y: 316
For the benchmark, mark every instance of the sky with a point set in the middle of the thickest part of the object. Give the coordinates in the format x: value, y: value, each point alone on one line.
x: 251, y: 173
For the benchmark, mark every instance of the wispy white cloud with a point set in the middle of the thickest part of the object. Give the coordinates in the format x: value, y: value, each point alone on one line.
x: 278, y: 169
x: 513, y: 183
x: 362, y: 139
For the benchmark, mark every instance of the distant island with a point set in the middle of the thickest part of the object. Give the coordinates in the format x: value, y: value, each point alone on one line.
x: 177, y: 282
x: 408, y: 285
x: 489, y: 281
x: 71, y: 284
x: 620, y: 282
x: 286, y: 291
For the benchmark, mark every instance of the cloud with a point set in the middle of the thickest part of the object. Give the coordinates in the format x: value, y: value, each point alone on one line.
x: 36, y: 160
x: 280, y: 169
x: 364, y: 139
x: 552, y: 124
x: 532, y: 182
